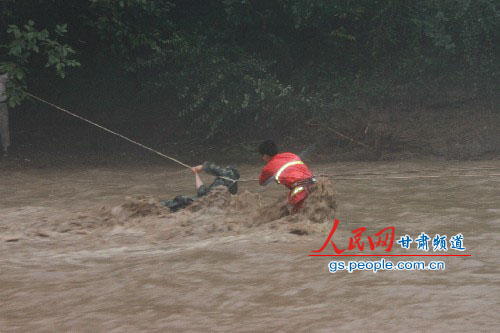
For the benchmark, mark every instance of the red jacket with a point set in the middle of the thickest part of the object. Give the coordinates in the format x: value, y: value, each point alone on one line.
x: 289, y: 175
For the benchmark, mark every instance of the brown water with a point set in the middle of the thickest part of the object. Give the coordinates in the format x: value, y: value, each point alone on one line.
x: 76, y: 254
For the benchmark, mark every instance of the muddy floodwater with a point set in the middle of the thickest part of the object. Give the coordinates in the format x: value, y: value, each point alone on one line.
x: 89, y: 249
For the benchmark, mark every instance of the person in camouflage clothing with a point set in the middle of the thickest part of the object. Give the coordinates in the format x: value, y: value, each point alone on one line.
x: 227, y: 177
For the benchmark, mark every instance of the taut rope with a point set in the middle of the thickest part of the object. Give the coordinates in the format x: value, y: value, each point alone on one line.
x: 250, y: 180
x: 109, y: 131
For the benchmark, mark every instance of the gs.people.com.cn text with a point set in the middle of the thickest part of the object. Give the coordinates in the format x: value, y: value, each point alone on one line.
x: 385, y: 265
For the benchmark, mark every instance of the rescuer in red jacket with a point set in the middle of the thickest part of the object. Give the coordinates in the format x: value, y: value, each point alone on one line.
x: 289, y: 170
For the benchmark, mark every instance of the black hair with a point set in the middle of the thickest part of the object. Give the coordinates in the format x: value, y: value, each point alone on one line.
x: 268, y: 148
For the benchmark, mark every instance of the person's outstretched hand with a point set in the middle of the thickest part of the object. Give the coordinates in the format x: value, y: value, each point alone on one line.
x: 197, y: 169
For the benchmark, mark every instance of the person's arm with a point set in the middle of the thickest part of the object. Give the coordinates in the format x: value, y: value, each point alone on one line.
x: 201, y: 189
x: 266, y: 176
x: 198, y: 182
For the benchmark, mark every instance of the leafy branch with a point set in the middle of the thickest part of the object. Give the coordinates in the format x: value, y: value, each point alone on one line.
x: 27, y: 42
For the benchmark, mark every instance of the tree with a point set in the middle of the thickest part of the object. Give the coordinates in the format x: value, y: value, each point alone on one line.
x: 27, y: 42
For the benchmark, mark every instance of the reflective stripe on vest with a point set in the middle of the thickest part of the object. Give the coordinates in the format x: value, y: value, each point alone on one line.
x: 286, y: 165
x: 296, y: 190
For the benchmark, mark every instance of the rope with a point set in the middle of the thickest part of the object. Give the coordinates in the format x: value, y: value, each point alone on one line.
x: 247, y: 180
x: 407, y: 171
x: 390, y: 177
x: 413, y: 177
x: 123, y: 137
x: 109, y: 131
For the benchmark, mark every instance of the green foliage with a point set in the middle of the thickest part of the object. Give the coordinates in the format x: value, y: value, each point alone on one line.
x: 134, y: 30
x: 26, y: 42
x: 242, y: 65
x: 220, y: 92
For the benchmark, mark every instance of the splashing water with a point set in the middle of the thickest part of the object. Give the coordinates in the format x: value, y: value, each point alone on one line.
x: 218, y: 213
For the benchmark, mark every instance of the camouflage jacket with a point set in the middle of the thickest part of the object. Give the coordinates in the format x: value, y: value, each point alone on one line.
x: 229, y: 173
